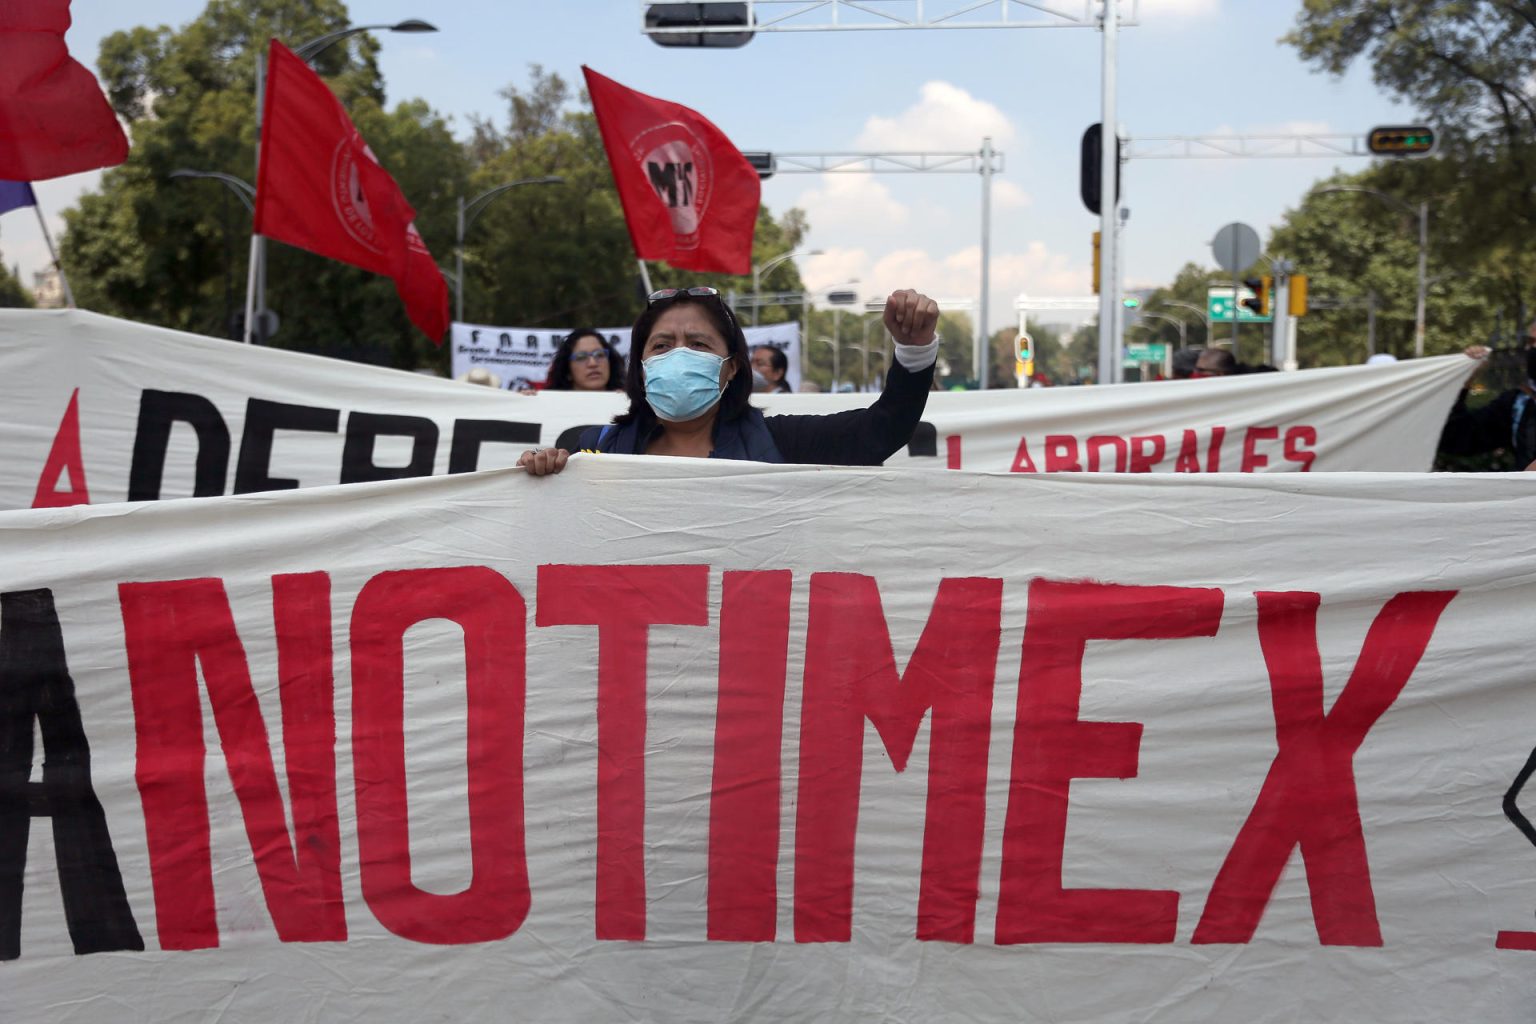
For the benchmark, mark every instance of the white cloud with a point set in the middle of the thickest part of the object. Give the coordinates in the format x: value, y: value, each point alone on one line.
x: 1008, y: 196
x: 945, y: 118
x: 1033, y: 270
x: 850, y: 201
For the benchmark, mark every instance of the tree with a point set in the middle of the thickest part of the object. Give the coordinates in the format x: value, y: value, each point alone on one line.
x: 1467, y: 66
x: 12, y: 294
x: 1361, y: 252
x: 174, y: 252
x: 560, y: 255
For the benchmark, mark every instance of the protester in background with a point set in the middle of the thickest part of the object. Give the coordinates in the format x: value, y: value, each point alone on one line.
x: 1214, y: 362
x: 689, y: 390
x: 773, y: 366
x: 1184, y: 360
x: 586, y: 361
x: 1509, y: 421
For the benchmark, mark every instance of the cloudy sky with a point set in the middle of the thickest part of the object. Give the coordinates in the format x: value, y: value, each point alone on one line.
x: 1189, y: 67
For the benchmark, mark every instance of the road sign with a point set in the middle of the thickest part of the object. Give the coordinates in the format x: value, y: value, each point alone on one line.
x: 1235, y: 247
x: 1142, y: 353
x: 1218, y: 307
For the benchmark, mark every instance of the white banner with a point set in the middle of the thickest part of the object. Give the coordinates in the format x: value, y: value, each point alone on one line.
x: 619, y: 745
x: 521, y: 356
x: 96, y: 410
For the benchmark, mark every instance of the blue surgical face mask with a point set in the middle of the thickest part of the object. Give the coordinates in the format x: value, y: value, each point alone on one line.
x: 683, y: 384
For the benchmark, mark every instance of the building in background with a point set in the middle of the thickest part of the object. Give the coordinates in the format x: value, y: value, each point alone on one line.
x: 48, y: 289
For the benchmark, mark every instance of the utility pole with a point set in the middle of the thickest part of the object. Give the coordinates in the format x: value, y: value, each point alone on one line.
x: 1109, y: 201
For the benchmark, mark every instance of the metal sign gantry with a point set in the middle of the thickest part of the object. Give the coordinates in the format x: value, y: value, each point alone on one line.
x: 885, y: 15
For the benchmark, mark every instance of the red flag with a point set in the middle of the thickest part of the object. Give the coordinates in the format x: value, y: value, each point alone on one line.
x: 320, y: 188
x: 689, y: 196
x: 53, y: 118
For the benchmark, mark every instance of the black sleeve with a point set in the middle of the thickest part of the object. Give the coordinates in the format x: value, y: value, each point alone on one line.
x: 857, y: 437
x: 1475, y: 431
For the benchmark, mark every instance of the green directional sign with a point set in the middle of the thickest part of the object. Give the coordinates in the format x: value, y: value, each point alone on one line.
x: 1218, y: 306
x: 1142, y: 353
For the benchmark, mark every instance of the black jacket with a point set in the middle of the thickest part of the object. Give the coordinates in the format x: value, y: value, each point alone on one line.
x: 1509, y: 421
x: 856, y: 437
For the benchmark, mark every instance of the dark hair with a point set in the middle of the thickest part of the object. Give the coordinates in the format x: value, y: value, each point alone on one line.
x: 780, y: 362
x: 1184, y: 361
x: 560, y: 369
x: 1224, y: 360
x: 738, y: 393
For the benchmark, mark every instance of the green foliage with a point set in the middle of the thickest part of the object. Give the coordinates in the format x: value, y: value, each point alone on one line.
x: 1466, y: 66
x: 12, y: 294
x: 175, y: 251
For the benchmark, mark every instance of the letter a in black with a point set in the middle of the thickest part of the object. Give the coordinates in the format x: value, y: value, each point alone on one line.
x: 35, y: 685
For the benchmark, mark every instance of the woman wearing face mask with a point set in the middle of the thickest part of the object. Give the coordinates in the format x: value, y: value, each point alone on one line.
x: 690, y: 381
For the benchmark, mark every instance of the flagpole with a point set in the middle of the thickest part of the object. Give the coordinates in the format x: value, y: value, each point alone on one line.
x: 250, y: 291
x: 69, y: 296
x: 645, y: 278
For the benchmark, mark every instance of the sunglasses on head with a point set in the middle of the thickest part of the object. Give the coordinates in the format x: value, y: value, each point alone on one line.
x: 697, y: 291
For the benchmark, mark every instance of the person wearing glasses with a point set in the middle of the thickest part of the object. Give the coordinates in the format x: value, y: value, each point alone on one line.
x: 690, y: 384
x: 585, y: 361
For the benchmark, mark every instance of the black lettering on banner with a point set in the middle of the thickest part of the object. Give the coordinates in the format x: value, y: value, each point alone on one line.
x: 158, y: 410
x: 469, y: 435
x: 262, y: 420
x: 35, y: 685
x: 363, y: 432
x: 570, y: 437
x: 925, y: 441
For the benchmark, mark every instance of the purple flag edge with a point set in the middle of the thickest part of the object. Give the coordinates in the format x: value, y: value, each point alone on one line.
x: 16, y: 194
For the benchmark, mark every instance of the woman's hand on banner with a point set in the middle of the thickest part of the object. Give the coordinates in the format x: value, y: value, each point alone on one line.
x: 543, y: 461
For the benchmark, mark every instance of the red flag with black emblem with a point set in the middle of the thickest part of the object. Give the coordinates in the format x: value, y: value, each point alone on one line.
x: 53, y: 118
x: 320, y: 188
x: 689, y: 196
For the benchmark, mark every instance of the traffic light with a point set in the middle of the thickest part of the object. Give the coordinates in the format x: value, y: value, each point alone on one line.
x: 1401, y: 140
x: 708, y: 15
x: 1259, y: 304
x: 1298, y: 295
x: 1025, y: 355
x: 1090, y: 173
x: 1095, y: 263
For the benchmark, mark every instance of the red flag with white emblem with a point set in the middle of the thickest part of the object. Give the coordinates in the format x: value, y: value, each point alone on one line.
x: 689, y: 196
x: 320, y: 188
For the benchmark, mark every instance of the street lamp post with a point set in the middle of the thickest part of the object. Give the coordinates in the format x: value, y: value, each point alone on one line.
x: 256, y: 284
x: 1193, y: 309
x: 805, y: 320
x: 869, y: 321
x: 1422, y: 212
x: 762, y: 269
x: 1181, y: 324
x: 247, y: 195
x: 467, y: 214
